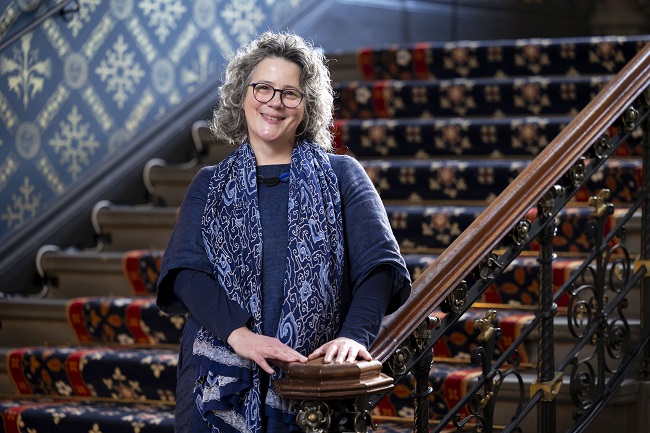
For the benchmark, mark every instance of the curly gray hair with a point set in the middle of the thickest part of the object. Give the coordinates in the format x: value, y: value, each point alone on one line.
x: 228, y: 121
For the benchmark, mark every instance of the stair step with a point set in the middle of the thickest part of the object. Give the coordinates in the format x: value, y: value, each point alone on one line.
x: 474, y: 180
x: 531, y: 96
x: 427, y: 229
x: 99, y: 372
x: 60, y: 416
x: 106, y: 320
x: 123, y: 321
x: 516, y: 57
x: 31, y: 322
x: 74, y: 273
x: 136, y: 227
x: 169, y: 183
x: 467, y: 137
x: 71, y: 273
x: 132, y: 322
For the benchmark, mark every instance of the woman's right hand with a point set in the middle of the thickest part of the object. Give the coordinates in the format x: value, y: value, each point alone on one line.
x: 261, y: 349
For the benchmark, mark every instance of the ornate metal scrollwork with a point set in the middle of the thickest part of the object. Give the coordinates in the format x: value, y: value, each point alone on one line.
x: 485, y: 326
x: 618, y: 340
x: 600, y: 204
x: 481, y: 404
x: 519, y: 233
x: 619, y: 268
x: 629, y: 118
x: 601, y: 147
x: 422, y: 334
x: 314, y: 417
x: 583, y: 388
x: 582, y: 310
x: 489, y: 267
x: 457, y: 300
x: 592, y: 315
x: 547, y: 202
x: 363, y: 417
x: 576, y: 174
x: 397, y: 362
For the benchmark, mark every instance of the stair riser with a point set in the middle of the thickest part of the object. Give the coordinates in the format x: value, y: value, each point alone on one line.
x: 433, y: 228
x: 20, y: 333
x: 461, y: 98
x: 523, y: 57
x: 129, y: 375
x: 483, y: 181
x: 433, y: 138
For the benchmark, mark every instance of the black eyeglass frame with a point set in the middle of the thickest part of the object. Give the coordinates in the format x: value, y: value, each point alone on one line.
x: 302, y: 94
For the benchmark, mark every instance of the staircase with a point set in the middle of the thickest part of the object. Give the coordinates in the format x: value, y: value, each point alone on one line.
x: 441, y: 129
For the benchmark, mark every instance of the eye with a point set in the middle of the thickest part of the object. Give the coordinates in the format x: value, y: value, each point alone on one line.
x: 264, y: 88
x: 291, y: 94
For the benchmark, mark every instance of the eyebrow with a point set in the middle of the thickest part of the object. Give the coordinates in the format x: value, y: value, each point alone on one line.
x: 271, y: 84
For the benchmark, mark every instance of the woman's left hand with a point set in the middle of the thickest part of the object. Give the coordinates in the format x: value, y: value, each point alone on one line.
x: 341, y: 350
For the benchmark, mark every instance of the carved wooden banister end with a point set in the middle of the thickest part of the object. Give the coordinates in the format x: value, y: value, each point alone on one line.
x: 316, y: 380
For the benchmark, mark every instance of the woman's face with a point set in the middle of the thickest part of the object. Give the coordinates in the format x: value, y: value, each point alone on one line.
x: 271, y: 123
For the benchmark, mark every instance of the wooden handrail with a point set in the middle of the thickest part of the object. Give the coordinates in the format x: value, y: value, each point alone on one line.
x: 445, y: 273
x: 482, y: 236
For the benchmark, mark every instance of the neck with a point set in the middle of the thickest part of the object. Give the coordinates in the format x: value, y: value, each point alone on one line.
x: 268, y: 155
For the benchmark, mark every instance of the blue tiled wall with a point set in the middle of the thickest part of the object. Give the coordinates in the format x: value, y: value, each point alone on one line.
x: 74, y: 91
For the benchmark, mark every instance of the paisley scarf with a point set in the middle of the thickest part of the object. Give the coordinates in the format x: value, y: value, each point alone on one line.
x: 228, y: 391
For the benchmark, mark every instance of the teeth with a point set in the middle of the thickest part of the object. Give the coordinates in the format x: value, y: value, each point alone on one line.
x: 271, y: 118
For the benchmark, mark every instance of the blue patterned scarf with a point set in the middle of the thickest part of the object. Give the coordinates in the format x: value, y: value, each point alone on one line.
x: 228, y: 391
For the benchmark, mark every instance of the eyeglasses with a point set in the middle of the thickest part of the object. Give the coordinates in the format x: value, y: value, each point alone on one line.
x: 263, y: 93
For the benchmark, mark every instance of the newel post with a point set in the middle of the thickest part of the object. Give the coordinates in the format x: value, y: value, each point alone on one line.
x: 330, y: 396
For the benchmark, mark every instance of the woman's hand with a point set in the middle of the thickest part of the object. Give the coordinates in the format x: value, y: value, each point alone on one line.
x: 341, y: 350
x: 260, y: 349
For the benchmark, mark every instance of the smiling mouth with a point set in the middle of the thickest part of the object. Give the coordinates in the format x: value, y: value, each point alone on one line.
x: 272, y: 118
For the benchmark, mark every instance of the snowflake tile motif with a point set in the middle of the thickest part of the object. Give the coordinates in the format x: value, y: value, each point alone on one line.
x: 120, y: 71
x: 74, y: 143
x: 24, y: 205
x: 244, y: 17
x: 163, y: 16
x: 83, y: 16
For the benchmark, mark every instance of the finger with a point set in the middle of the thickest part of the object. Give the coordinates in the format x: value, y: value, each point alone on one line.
x: 342, y: 354
x: 265, y: 366
x: 364, y: 354
x: 330, y: 353
x: 291, y: 355
x: 352, y: 354
x: 316, y: 353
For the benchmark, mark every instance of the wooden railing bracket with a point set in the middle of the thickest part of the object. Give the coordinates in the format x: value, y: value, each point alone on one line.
x: 550, y: 389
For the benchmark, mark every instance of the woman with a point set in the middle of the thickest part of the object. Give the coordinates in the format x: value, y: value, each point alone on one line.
x: 281, y: 252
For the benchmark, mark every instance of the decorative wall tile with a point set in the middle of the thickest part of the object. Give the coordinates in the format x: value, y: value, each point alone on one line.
x: 79, y: 88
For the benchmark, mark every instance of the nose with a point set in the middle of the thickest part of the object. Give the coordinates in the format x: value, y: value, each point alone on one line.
x: 276, y: 99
